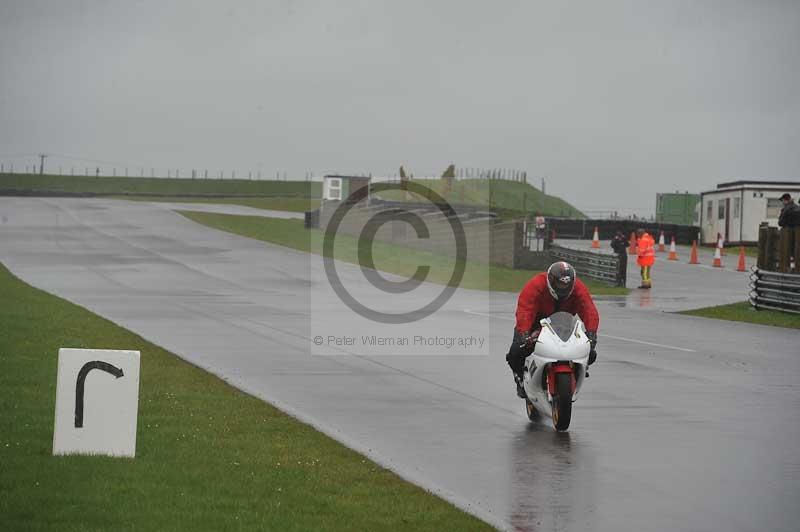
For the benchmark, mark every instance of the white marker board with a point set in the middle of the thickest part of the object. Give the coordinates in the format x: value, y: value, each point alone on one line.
x: 97, y: 402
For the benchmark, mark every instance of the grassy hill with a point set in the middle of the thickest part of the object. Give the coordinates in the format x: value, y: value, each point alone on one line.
x: 506, y: 197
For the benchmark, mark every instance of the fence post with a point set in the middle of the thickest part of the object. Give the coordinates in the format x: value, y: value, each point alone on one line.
x: 796, y: 268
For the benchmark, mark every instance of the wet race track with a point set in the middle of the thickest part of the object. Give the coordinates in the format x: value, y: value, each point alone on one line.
x: 686, y: 423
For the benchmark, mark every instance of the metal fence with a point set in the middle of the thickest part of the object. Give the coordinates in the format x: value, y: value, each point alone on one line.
x: 599, y: 266
x: 775, y: 291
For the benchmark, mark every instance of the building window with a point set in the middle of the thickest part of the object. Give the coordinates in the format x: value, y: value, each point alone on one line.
x: 721, y: 210
x: 335, y: 189
x: 774, y: 206
x: 709, y: 210
x: 737, y: 207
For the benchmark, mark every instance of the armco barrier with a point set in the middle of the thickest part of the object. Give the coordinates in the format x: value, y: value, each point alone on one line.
x: 775, y: 291
x: 598, y: 266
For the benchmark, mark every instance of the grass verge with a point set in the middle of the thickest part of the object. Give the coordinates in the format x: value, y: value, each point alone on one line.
x: 275, y: 204
x: 389, y: 258
x: 108, y: 185
x: 208, y: 456
x: 744, y: 312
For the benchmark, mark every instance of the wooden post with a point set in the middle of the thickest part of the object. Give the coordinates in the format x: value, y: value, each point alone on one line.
x: 785, y: 241
x: 771, y: 248
x: 796, y: 250
x: 763, y: 236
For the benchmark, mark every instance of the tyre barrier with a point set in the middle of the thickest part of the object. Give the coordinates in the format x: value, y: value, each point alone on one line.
x: 599, y: 266
x: 775, y: 290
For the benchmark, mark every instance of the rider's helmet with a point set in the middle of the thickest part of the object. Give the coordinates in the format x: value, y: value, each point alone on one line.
x: 561, y: 280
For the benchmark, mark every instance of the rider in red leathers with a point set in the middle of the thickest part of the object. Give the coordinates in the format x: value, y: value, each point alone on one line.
x: 556, y: 290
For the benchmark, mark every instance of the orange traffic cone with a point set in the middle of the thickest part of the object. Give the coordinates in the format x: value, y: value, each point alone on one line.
x: 717, y: 258
x: 661, y: 242
x: 632, y: 250
x: 596, y: 238
x: 741, y: 267
x: 693, y: 258
x: 673, y: 254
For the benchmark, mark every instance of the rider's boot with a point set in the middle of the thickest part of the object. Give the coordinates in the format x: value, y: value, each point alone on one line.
x: 520, y: 388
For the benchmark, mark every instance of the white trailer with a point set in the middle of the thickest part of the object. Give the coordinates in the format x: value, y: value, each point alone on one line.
x: 736, y: 209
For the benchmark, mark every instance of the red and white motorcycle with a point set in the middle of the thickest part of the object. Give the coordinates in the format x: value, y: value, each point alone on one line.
x: 556, y: 368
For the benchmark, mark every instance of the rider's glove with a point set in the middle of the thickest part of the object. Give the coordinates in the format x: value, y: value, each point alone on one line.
x: 592, y: 336
x: 530, y: 340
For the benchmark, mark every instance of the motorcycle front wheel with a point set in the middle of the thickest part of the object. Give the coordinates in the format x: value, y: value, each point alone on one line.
x: 533, y: 415
x: 562, y: 401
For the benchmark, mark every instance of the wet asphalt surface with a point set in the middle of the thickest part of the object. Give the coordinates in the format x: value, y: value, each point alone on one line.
x: 686, y: 423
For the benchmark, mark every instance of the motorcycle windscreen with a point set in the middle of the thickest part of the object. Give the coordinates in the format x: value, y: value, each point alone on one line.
x: 563, y: 324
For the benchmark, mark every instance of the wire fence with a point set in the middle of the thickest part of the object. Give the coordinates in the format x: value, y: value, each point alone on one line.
x: 155, y: 173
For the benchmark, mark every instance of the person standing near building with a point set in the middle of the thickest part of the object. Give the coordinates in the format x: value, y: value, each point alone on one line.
x: 645, y: 246
x: 790, y: 213
x: 620, y: 246
x: 789, y: 219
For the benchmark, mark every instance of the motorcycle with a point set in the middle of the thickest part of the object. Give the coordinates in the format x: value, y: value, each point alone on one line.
x: 556, y: 369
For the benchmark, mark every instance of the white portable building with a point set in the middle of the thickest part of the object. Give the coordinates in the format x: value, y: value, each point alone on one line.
x: 736, y: 209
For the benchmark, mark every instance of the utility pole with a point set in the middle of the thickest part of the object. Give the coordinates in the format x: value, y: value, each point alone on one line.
x: 42, y: 157
x: 543, y: 195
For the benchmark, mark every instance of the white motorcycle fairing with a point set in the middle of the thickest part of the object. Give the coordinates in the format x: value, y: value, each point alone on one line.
x: 562, y: 340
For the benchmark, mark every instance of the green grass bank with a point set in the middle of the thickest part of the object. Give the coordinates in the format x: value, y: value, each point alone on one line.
x: 107, y: 185
x: 744, y: 312
x: 209, y: 457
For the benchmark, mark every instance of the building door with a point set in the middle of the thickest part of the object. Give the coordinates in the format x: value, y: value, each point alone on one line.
x: 727, y: 219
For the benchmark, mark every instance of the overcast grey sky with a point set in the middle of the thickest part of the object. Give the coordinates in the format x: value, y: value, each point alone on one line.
x: 610, y: 101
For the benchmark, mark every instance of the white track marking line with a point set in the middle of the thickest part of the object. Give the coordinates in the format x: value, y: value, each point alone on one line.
x: 632, y: 340
x: 647, y: 343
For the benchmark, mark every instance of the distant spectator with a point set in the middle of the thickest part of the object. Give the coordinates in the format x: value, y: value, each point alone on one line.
x: 790, y: 213
x: 620, y: 246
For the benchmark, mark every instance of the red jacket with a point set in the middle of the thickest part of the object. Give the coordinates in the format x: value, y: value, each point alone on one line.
x: 536, y: 303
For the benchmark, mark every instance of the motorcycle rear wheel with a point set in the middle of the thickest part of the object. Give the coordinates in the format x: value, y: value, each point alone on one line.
x: 562, y: 402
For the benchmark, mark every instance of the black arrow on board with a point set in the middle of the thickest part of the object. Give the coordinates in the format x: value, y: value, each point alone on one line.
x: 89, y: 366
